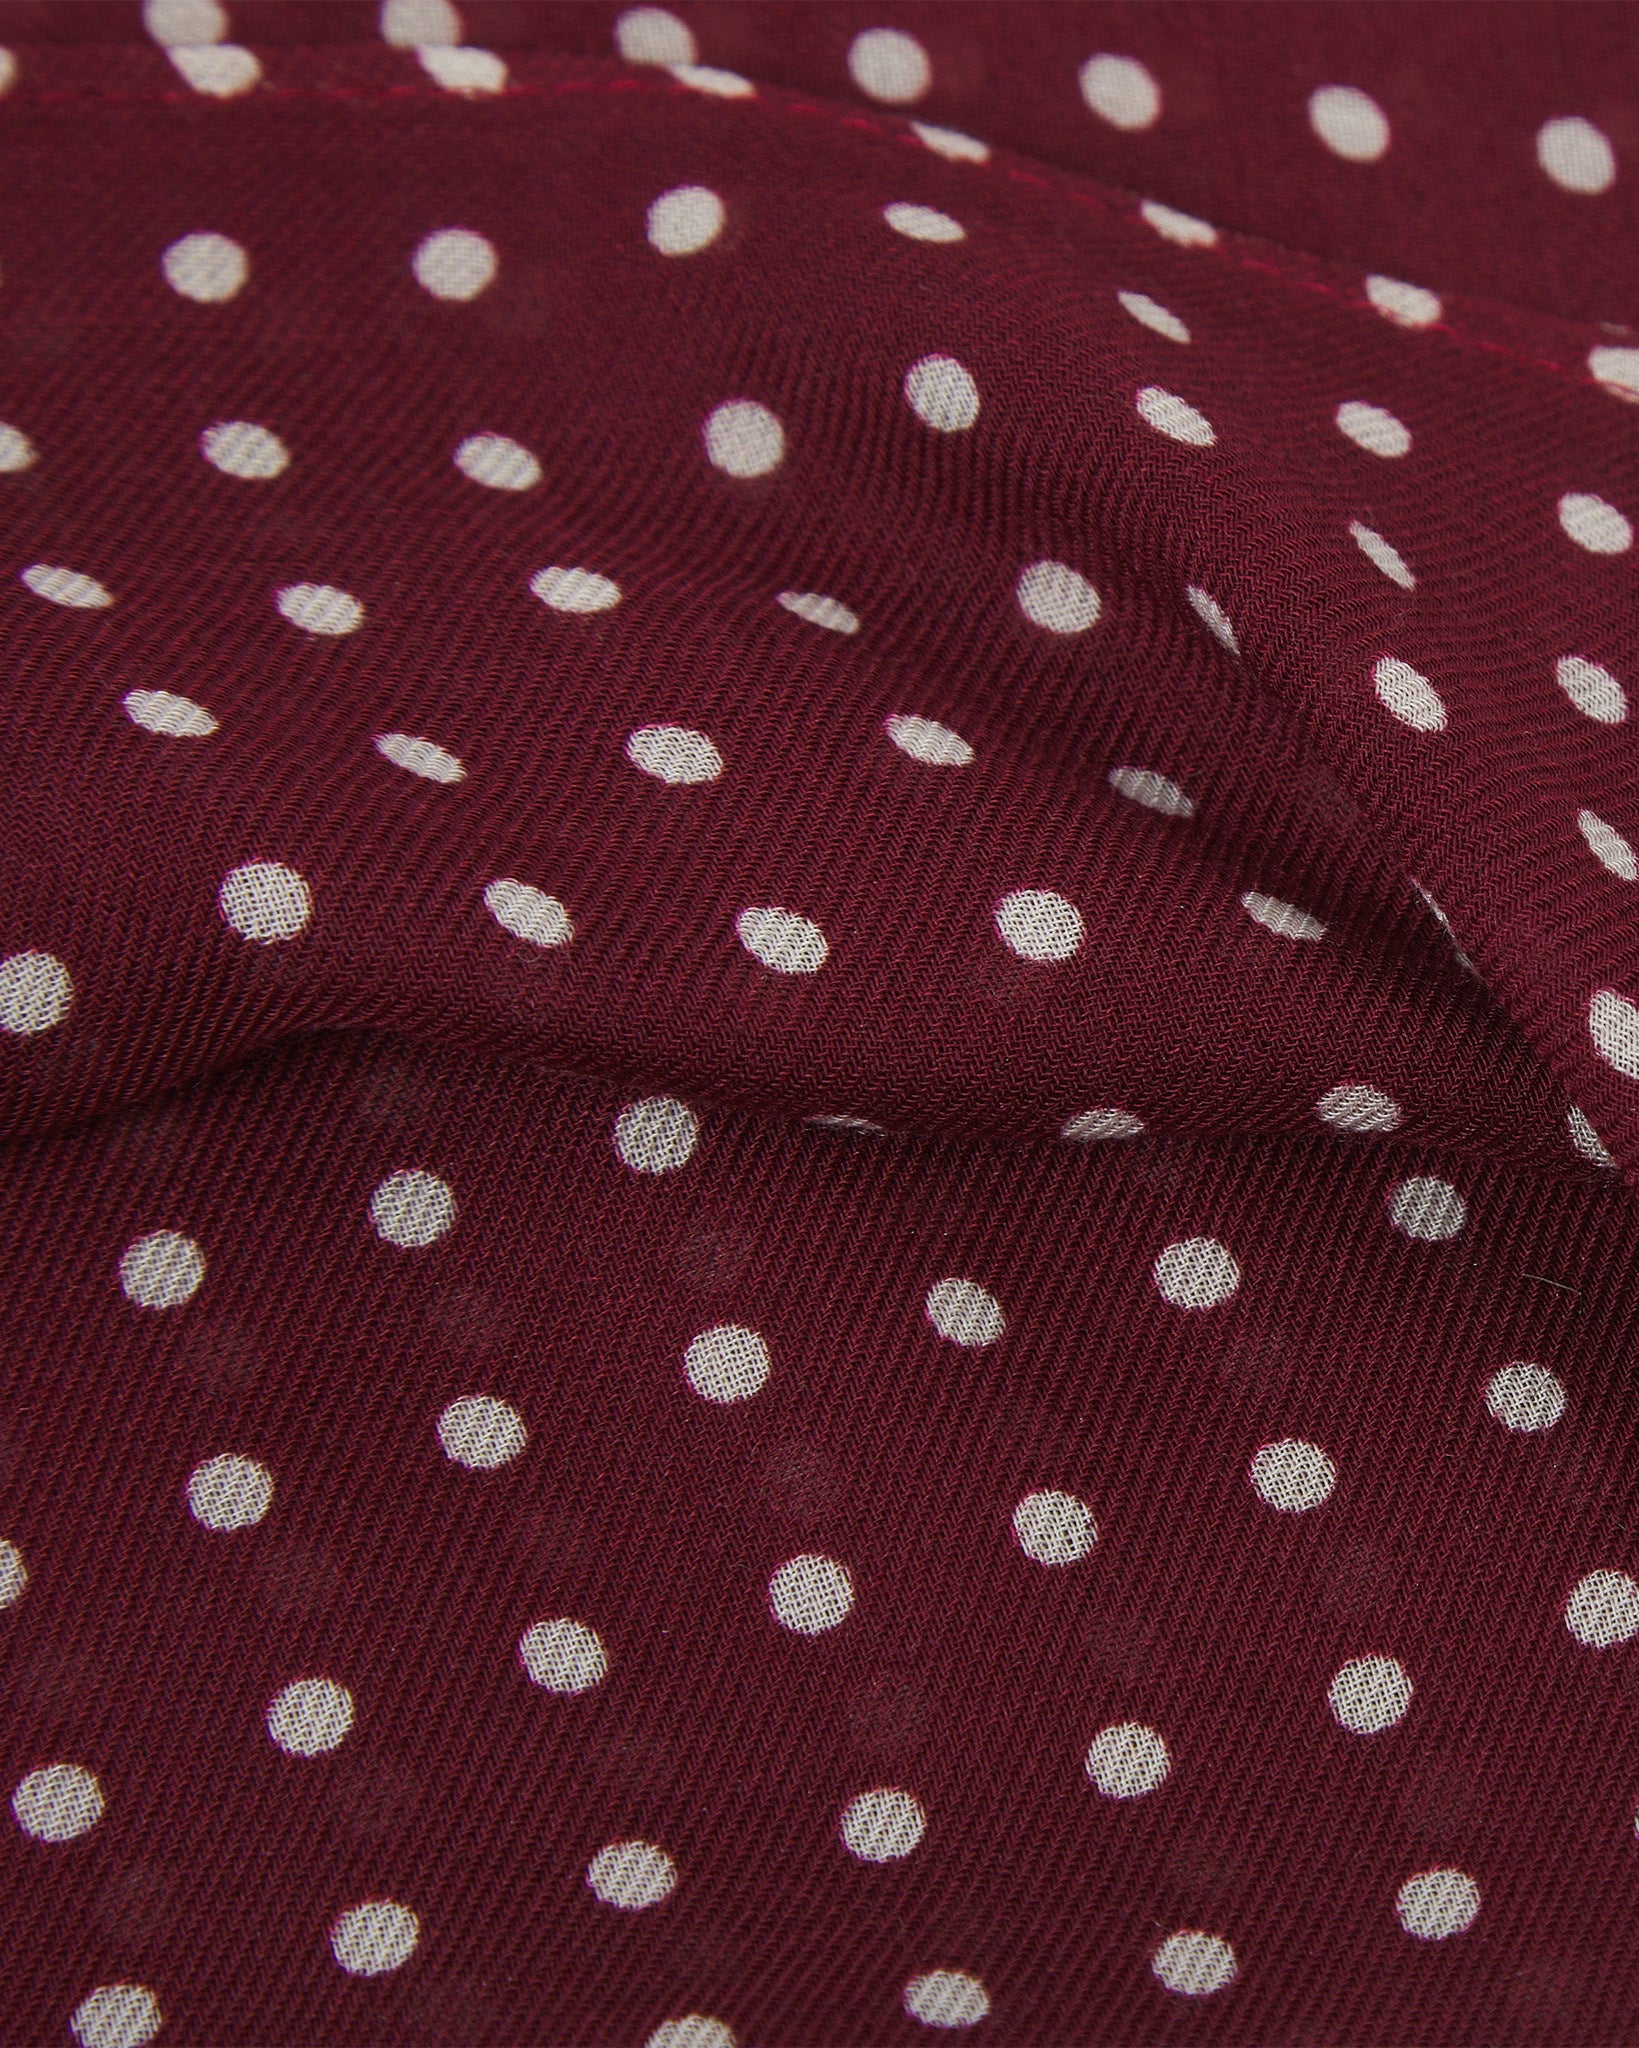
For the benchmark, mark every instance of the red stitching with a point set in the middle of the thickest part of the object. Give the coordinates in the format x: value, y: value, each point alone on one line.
x: 1048, y: 181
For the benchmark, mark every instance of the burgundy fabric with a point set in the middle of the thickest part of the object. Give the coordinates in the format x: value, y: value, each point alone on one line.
x: 817, y: 984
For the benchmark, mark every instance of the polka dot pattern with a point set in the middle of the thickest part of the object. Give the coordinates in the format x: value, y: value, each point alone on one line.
x: 1127, y: 1760
x: 116, y: 2016
x: 884, y: 1826
x: 58, y: 1803
x: 374, y: 1937
x: 946, y: 1999
x: 412, y: 1209
x: 811, y: 1595
x: 1054, y: 1528
x: 1011, y: 573
x: 563, y: 1656
x: 632, y: 1875
x: 1369, y: 1695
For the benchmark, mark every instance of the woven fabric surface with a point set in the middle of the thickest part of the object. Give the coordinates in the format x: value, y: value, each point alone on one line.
x: 818, y: 1025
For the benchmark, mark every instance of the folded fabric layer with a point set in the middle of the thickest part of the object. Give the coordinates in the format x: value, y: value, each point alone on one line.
x: 816, y: 992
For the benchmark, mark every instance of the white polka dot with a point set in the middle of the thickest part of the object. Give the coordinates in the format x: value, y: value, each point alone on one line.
x: 1437, y: 1903
x: 13, y: 1574
x: 463, y: 70
x: 412, y: 1209
x: 1355, y: 1107
x: 171, y: 22
x: 574, y: 590
x: 265, y: 901
x: 744, y: 439
x: 206, y: 268
x: 1608, y: 847
x: 1371, y: 428
x: 116, y: 2016
x: 563, y: 1656
x: 927, y: 741
x: 320, y: 608
x: 35, y: 993
x: 240, y: 449
x: 415, y: 24
x: 1194, y: 1964
x: 1576, y: 155
x: 727, y: 1363
x: 963, y: 1313
x: 882, y: 1826
x: 951, y: 144
x: 1350, y: 123
x: 163, y: 712
x: 58, y: 1803
x: 219, y: 70
x: 1127, y: 1760
x: 1148, y: 313
x: 498, y: 462
x: 693, y: 2030
x: 1121, y: 91
x: 8, y: 70
x: 784, y: 942
x: 652, y: 35
x: 1618, y: 370
x: 310, y: 1717
x: 374, y: 1937
x: 674, y: 754
x: 17, y: 451
x: 1595, y: 525
x: 528, y: 913
x: 1154, y: 791
x: 1093, y: 1124
x: 685, y: 220
x: 1370, y: 1694
x: 1283, y: 919
x: 1293, y: 1476
x: 888, y: 65
x: 454, y: 263
x: 1039, y: 925
x: 1407, y: 305
x: 1054, y: 1528
x: 657, y: 1135
x: 1428, y: 1209
x: 482, y: 1433
x: 1525, y: 1397
x: 1182, y: 228
x: 1175, y: 417
x: 820, y: 611
x: 69, y: 587
x: 810, y: 1594
x: 706, y: 78
x: 1613, y: 1023
x: 1054, y: 595
x: 632, y: 1875
x: 1381, y: 555
x: 946, y: 1998
x: 942, y: 394
x: 1213, y: 616
x: 923, y: 223
x: 425, y: 758
x: 1409, y: 695
x: 1196, y: 1272
x: 1594, y: 691
x: 1586, y: 1139
x: 161, y: 1270
x: 229, y: 1492
x: 1603, y: 1609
